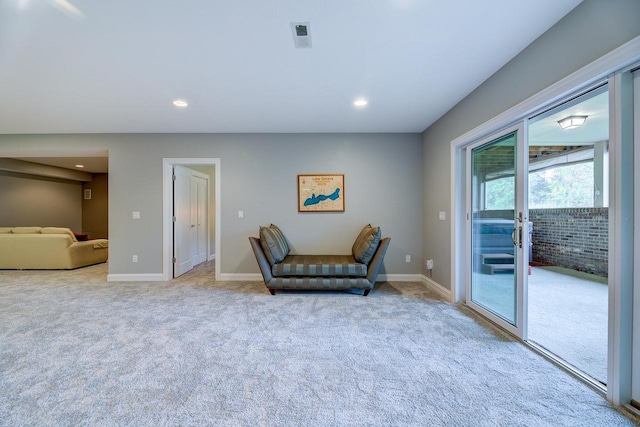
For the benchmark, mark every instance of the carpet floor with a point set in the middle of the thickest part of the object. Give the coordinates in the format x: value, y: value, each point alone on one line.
x: 76, y: 350
x: 567, y: 313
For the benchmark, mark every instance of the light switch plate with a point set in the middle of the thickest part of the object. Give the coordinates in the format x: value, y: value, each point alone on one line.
x: 135, y: 215
x: 442, y: 215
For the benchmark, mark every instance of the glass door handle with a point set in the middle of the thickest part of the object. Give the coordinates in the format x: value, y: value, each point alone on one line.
x: 517, y: 242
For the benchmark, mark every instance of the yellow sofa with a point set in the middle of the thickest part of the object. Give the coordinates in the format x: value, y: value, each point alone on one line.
x: 48, y: 248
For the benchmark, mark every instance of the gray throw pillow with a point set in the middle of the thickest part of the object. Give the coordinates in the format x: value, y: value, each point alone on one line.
x: 281, y: 239
x: 274, y: 245
x: 367, y: 245
x: 360, y: 237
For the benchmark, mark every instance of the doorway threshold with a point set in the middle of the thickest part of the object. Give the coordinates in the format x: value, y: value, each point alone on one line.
x: 593, y: 383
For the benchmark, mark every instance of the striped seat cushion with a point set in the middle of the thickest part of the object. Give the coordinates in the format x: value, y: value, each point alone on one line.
x: 320, y: 283
x: 319, y: 266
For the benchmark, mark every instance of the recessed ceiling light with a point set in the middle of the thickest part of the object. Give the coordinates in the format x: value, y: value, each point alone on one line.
x: 360, y: 102
x: 180, y: 103
x: 79, y: 166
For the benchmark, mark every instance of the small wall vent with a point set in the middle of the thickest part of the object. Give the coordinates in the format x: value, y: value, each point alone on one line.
x: 301, y: 34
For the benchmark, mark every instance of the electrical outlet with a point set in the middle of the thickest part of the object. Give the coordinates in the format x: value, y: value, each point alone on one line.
x: 429, y: 264
x: 407, y: 258
x: 134, y: 258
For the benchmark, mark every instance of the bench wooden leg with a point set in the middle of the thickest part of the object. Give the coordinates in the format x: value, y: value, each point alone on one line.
x: 366, y: 292
x: 273, y: 291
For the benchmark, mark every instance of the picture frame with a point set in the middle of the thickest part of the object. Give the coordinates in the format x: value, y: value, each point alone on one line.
x: 321, y: 193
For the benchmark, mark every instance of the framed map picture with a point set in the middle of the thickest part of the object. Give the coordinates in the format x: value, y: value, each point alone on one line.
x: 320, y: 193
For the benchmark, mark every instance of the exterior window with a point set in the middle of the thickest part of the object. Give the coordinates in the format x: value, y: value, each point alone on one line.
x: 566, y: 186
x: 499, y: 194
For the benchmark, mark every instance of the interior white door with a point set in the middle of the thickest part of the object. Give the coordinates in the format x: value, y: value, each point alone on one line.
x: 182, y: 230
x: 202, y: 219
x: 193, y: 215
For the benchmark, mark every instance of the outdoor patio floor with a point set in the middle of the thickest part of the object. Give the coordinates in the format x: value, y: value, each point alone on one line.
x: 568, y: 316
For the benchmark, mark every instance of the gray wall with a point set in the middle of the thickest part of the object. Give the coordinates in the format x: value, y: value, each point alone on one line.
x: 27, y: 200
x: 383, y: 186
x: 591, y: 30
x: 95, y: 211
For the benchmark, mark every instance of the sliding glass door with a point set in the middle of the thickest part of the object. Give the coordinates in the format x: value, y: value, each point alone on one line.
x: 497, y: 227
x: 538, y: 231
x: 568, y: 204
x: 635, y: 368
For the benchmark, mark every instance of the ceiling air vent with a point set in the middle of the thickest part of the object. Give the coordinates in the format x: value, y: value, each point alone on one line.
x: 301, y: 34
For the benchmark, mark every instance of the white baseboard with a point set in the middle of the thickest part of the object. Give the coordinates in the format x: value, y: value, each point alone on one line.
x: 399, y: 278
x: 212, y: 257
x: 437, y: 288
x: 135, y: 277
x: 240, y: 277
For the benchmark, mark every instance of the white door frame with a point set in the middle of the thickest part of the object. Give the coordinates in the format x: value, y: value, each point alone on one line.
x: 635, y: 386
x: 621, y: 235
x: 167, y: 211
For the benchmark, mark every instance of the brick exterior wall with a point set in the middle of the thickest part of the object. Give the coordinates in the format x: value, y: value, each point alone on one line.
x: 575, y: 238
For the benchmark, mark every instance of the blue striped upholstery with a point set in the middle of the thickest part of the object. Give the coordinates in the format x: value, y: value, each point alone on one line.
x: 319, y: 283
x: 320, y: 266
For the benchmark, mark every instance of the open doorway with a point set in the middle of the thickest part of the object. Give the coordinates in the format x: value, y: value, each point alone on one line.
x: 192, y: 217
x: 569, y: 209
x: 46, y: 190
x: 210, y: 167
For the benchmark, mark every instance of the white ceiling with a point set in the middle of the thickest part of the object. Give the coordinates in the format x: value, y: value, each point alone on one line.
x: 547, y: 131
x: 91, y: 66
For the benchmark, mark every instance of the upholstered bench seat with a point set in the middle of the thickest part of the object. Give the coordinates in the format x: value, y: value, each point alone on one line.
x: 319, y: 266
x: 320, y: 283
x: 282, y: 270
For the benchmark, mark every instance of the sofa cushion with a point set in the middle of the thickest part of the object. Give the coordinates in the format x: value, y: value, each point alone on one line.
x: 59, y: 230
x: 280, y: 236
x: 274, y: 244
x: 320, y: 266
x: 364, y: 231
x: 366, y: 244
x: 5, y: 230
x: 26, y: 230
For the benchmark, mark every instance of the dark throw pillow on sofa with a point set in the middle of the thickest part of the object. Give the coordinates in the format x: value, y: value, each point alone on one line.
x: 360, y: 237
x: 274, y: 244
x: 366, y: 244
x: 281, y: 239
